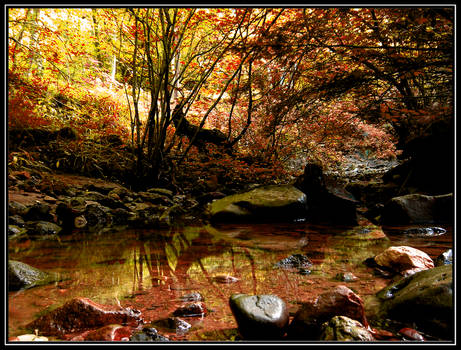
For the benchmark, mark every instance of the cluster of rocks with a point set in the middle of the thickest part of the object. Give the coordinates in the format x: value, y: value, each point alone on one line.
x: 421, y: 294
x: 93, y: 208
x: 81, y: 319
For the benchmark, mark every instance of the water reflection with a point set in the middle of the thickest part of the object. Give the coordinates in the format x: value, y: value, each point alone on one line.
x: 151, y: 269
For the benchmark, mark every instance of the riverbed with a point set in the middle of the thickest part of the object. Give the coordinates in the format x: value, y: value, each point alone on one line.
x: 150, y: 270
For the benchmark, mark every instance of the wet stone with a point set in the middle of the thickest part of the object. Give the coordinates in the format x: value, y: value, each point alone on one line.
x: 191, y: 309
x: 295, y: 261
x: 446, y: 258
x: 411, y: 334
x: 180, y: 326
x: 82, y: 314
x: 425, y: 231
x: 340, y: 301
x: 404, y: 260
x: 113, y: 332
x: 148, y: 334
x: 262, y: 317
x: 346, y: 277
x: 21, y: 275
x: 195, y: 296
x: 343, y: 328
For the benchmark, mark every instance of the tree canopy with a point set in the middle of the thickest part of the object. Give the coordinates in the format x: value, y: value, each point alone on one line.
x: 279, y: 85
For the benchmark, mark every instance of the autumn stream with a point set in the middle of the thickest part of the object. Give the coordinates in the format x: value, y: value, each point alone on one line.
x: 150, y: 269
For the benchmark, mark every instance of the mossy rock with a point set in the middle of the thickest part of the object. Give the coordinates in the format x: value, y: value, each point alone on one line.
x: 425, y: 298
x: 268, y: 203
x: 23, y: 276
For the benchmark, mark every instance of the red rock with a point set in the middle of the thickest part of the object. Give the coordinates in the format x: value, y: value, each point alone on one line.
x: 404, y: 260
x: 113, y: 332
x: 339, y: 302
x: 412, y: 334
x: 381, y: 334
x: 81, y: 314
x: 191, y: 309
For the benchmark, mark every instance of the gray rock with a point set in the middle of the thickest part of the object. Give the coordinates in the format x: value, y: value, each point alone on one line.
x: 425, y: 298
x: 343, y: 328
x: 275, y: 203
x: 21, y: 275
x: 425, y: 231
x: 446, y: 258
x: 148, y: 334
x: 418, y: 209
x: 42, y: 228
x: 262, y: 317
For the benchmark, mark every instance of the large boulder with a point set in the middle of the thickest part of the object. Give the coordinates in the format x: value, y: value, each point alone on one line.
x: 21, y: 275
x: 418, y: 209
x: 82, y: 314
x: 425, y: 298
x: 339, y: 302
x: 262, y: 317
x: 273, y: 202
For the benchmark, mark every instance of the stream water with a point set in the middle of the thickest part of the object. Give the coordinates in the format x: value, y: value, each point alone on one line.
x: 151, y: 269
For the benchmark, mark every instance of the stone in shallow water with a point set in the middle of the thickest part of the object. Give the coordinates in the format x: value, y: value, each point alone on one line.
x: 295, y: 261
x: 191, y: 309
x: 148, y: 334
x: 81, y: 314
x: 340, y: 301
x: 113, y: 332
x: 425, y: 231
x: 277, y: 203
x: 262, y: 317
x: 343, y: 328
x: 404, y: 260
x: 425, y: 298
x: 21, y: 275
x: 446, y: 258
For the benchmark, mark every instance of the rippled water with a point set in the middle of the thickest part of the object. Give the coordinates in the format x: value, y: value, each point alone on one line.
x: 150, y: 269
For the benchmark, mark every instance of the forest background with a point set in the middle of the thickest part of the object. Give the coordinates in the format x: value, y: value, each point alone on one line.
x: 226, y: 95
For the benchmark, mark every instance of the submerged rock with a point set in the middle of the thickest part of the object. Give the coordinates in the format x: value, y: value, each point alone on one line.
x: 343, y: 328
x: 341, y: 301
x: 113, y: 332
x: 148, y: 334
x: 425, y: 231
x: 196, y: 308
x: 262, y: 317
x: 263, y: 203
x: 299, y: 262
x: 81, y: 314
x: 425, y: 298
x: 21, y: 275
x: 404, y: 260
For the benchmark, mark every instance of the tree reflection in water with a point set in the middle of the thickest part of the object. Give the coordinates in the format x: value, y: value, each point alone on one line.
x: 169, y: 257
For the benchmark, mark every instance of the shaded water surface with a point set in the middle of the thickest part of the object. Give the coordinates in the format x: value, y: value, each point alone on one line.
x: 150, y: 269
